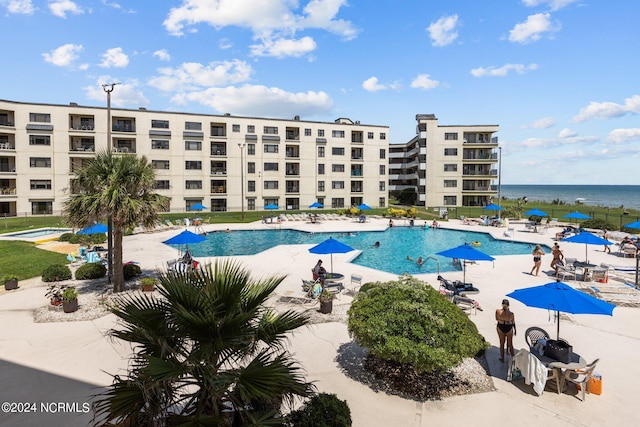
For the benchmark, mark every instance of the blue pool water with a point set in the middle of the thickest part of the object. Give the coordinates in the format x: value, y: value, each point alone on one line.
x: 38, y: 233
x: 395, y: 245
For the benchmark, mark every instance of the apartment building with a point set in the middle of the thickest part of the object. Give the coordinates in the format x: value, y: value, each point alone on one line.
x: 225, y: 162
x: 446, y: 166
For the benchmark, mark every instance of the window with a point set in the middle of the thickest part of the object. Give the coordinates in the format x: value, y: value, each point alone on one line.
x: 369, y: 135
x: 193, y: 164
x: 159, y: 144
x: 320, y: 168
x: 193, y: 145
x: 383, y: 169
x: 450, y: 200
x: 39, y: 140
x: 40, y: 162
x: 337, y: 202
x: 356, y: 187
x: 160, y: 164
x: 450, y: 167
x: 251, y: 204
x: 251, y: 186
x: 192, y: 126
x: 337, y: 168
x: 320, y: 185
x: 320, y: 132
x: 161, y: 184
x: 337, y: 151
x: 41, y: 184
x: 382, y: 185
x: 307, y: 132
x: 383, y: 153
x: 251, y: 149
x: 235, y: 128
x: 251, y: 167
x: 337, y: 133
x: 270, y: 148
x: 271, y: 185
x: 270, y: 130
x: 42, y: 208
x: 450, y: 183
x: 270, y: 167
x: 321, y: 151
x: 40, y: 117
x: 451, y: 136
x: 337, y: 185
x: 450, y: 151
x: 251, y: 129
x: 383, y: 135
x: 382, y: 202
x: 218, y: 129
x: 193, y: 185
x: 160, y: 124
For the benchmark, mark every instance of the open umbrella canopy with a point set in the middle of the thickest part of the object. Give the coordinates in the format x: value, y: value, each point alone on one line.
x: 185, y: 238
x: 560, y: 297
x: 492, y: 207
x: 588, y: 239
x: 466, y: 253
x: 271, y: 206
x: 364, y: 207
x: 536, y: 212
x: 316, y: 205
x: 95, y: 228
x: 635, y: 224
x: 331, y: 246
x: 576, y: 215
x: 197, y: 207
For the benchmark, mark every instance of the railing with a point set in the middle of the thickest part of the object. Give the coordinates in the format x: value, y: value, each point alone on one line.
x: 7, y: 191
x: 7, y: 146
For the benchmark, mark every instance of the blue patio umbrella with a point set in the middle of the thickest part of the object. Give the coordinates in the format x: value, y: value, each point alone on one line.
x: 560, y: 297
x: 185, y: 238
x: 197, y: 207
x: 93, y: 229
x: 331, y: 246
x: 576, y: 215
x: 492, y: 207
x: 536, y: 212
x: 465, y: 253
x: 588, y: 239
x: 364, y: 207
x: 316, y: 205
x: 635, y: 224
x: 271, y: 206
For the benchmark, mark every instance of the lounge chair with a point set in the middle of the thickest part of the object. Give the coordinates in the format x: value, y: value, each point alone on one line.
x: 457, y: 287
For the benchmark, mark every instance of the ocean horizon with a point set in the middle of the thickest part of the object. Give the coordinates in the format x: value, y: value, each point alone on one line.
x: 613, y: 196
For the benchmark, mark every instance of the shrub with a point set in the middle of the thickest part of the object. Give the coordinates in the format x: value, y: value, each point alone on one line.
x: 56, y: 272
x: 130, y: 271
x: 94, y: 270
x: 322, y: 410
x: 598, y: 224
x: 69, y: 294
x: 409, y: 322
x: 65, y: 237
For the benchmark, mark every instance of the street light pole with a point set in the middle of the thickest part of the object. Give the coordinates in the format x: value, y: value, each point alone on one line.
x: 241, y: 146
x: 108, y: 88
x: 499, y: 178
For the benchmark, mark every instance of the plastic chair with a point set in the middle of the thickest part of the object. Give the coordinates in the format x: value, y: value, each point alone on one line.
x: 533, y: 334
x: 581, y: 377
x: 356, y: 283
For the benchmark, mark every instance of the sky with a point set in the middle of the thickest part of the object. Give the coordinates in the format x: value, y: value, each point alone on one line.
x: 560, y: 77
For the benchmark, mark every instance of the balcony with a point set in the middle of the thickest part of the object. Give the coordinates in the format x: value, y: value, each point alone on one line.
x: 7, y: 146
x: 218, y: 172
x: 123, y: 125
x: 81, y: 123
x: 219, y: 189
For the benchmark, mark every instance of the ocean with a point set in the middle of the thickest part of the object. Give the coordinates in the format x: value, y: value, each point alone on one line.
x: 612, y: 196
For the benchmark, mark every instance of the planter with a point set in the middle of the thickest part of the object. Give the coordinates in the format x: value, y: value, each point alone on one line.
x: 148, y: 288
x: 11, y: 284
x: 326, y: 307
x: 70, y: 306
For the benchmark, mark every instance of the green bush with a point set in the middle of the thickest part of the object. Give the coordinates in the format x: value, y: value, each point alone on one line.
x: 65, y: 237
x: 130, y: 271
x: 409, y: 322
x: 598, y: 224
x: 322, y: 410
x: 56, y: 272
x: 94, y: 270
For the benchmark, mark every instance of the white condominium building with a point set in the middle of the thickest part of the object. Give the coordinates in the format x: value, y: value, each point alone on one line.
x: 225, y: 162
x: 446, y: 166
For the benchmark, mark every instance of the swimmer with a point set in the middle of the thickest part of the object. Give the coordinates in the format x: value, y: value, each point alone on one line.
x: 376, y: 245
x: 409, y: 258
x: 420, y: 261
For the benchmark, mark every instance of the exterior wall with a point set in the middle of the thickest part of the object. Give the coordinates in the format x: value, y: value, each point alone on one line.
x: 35, y: 176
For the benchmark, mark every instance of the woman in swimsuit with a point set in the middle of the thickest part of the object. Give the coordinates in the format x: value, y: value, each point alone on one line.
x: 537, y: 259
x: 506, y: 328
x: 558, y: 257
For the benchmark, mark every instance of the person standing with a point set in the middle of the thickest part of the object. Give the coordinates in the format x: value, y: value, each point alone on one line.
x: 558, y: 257
x: 605, y: 236
x: 537, y: 259
x: 506, y: 328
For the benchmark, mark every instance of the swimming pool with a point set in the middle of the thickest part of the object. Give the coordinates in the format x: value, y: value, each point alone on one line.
x: 395, y: 245
x: 38, y: 233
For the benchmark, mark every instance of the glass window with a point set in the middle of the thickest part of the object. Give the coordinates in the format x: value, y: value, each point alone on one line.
x: 320, y: 132
x: 251, y: 129
x: 193, y: 185
x: 40, y: 117
x: 321, y: 151
x: 160, y: 164
x: 383, y: 153
x: 39, y: 140
x: 450, y: 183
x: 451, y: 136
x: 383, y: 169
x: 193, y: 145
x: 450, y: 167
x: 160, y: 124
x: 337, y: 168
x: 270, y: 130
x: 270, y: 148
x: 235, y: 128
x: 159, y: 144
x: 271, y: 185
x: 337, y: 133
x: 337, y: 151
x: 450, y: 151
x: 383, y: 135
x: 161, y: 184
x: 251, y: 186
x: 450, y: 200
x: 337, y: 185
x: 337, y: 203
x: 382, y: 186
x: 192, y: 126
x: 270, y: 167
x: 40, y: 184
x: 307, y: 132
x: 251, y: 167
x: 382, y: 202
x: 320, y: 168
x: 320, y: 185
x: 193, y: 164
x: 251, y: 149
x: 369, y: 135
x: 40, y: 162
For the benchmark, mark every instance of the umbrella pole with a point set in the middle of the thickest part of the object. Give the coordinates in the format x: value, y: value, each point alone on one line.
x: 558, y: 325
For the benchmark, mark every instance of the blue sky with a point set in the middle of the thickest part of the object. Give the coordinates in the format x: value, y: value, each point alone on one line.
x: 560, y: 77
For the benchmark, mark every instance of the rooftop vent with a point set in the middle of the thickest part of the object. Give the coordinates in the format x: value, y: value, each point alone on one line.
x: 73, y: 104
x: 296, y: 117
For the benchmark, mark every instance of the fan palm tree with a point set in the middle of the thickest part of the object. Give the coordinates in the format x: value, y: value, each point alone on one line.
x: 208, y: 351
x: 118, y: 187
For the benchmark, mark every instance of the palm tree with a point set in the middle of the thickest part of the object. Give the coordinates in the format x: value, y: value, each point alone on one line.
x: 118, y: 187
x: 208, y: 351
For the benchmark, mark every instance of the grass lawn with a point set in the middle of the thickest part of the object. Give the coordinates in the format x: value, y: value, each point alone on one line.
x: 25, y: 260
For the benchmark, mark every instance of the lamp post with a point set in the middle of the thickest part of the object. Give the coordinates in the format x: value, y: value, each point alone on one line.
x: 108, y: 88
x: 499, y: 178
x: 241, y: 146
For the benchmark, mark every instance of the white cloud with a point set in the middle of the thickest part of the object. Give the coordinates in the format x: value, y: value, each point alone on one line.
x: 284, y: 47
x: 114, y: 57
x: 503, y: 71
x: 62, y: 7
x: 195, y: 76
x: 372, y: 85
x: 225, y: 43
x: 424, y: 81
x: 553, y: 4
x: 532, y: 29
x: 162, y: 55
x: 258, y: 100
x: 624, y: 135
x: 543, y: 123
x: 567, y: 133
x: 607, y: 110
x: 21, y: 7
x: 63, y: 56
x: 126, y: 94
x: 443, y: 31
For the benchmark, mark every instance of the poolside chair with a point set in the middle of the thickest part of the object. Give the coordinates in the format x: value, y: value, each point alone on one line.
x: 457, y: 287
x: 356, y: 283
x: 581, y: 377
x: 532, y: 335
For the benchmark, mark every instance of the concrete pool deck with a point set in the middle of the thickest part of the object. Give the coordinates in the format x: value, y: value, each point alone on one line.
x: 67, y: 362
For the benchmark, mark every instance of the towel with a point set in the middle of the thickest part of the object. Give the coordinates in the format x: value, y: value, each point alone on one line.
x: 533, y: 370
